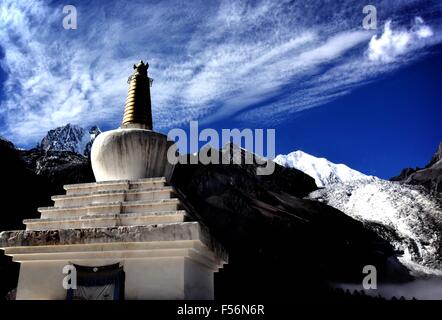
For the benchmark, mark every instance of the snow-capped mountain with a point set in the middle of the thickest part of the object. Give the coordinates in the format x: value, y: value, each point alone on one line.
x: 69, y: 138
x: 323, y: 171
x: 409, y: 217
x: 93, y: 133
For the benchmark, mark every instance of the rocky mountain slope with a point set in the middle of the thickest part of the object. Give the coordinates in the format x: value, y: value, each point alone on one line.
x: 407, y: 216
x: 58, y: 166
x: 280, y: 245
x: 69, y: 138
x: 407, y: 212
x: 322, y: 170
x: 429, y: 177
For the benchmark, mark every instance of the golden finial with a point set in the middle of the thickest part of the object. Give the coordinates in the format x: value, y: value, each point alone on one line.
x: 138, y: 109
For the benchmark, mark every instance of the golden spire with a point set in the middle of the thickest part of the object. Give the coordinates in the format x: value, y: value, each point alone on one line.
x: 137, y: 109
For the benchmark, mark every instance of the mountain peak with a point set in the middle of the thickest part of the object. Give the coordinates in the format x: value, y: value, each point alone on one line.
x: 436, y: 157
x: 322, y: 170
x: 71, y: 138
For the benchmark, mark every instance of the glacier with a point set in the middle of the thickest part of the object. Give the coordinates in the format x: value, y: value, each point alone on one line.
x: 407, y: 216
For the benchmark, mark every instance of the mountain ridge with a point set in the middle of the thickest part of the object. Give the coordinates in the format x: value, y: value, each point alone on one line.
x: 71, y: 138
x: 322, y: 170
x: 430, y: 176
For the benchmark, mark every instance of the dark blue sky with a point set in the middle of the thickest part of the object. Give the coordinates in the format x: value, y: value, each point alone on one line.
x: 378, y: 129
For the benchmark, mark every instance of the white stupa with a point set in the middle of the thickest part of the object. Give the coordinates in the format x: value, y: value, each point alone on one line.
x: 125, y: 236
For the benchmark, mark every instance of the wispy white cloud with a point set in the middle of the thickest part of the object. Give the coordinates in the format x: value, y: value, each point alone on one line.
x: 209, y: 60
x: 383, y: 54
x: 392, y: 44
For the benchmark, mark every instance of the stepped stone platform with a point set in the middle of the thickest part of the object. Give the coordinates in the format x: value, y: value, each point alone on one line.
x: 111, y: 204
x: 137, y: 223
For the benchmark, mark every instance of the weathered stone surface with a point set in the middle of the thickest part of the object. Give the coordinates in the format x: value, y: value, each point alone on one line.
x: 111, y: 204
x: 107, y: 220
x: 160, y: 232
x: 131, y: 154
x: 111, y: 207
x: 112, y: 195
